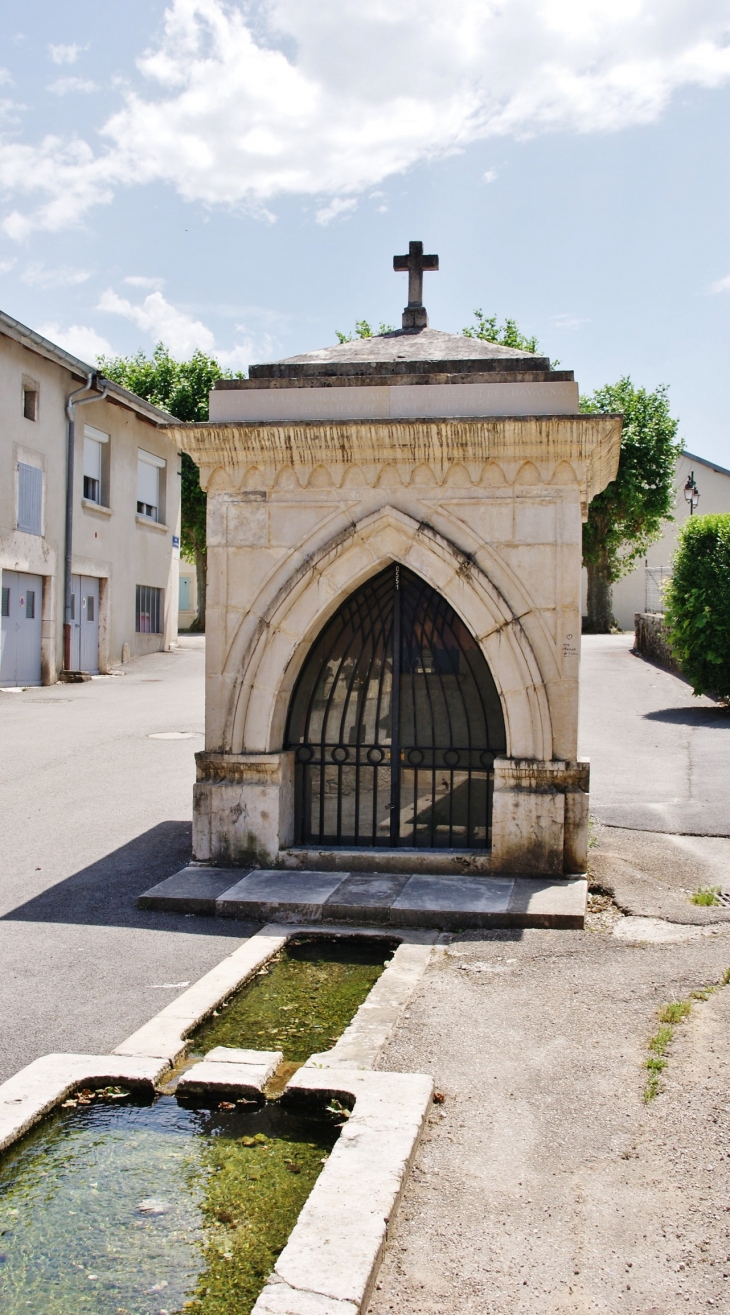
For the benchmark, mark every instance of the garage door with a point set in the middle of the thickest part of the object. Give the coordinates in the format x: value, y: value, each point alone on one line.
x: 20, y: 656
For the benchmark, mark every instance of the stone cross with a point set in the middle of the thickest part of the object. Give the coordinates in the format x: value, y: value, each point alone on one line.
x: 414, y: 315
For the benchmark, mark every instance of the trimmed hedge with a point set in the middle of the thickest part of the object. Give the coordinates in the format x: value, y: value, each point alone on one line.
x: 697, y: 604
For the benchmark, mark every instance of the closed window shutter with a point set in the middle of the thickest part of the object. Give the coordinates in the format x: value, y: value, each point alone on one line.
x: 30, y: 498
x: 148, y: 488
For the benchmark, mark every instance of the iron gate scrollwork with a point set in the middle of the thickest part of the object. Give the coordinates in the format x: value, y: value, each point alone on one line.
x: 405, y: 761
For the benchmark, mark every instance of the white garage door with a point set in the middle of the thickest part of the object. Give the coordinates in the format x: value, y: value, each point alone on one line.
x: 20, y: 656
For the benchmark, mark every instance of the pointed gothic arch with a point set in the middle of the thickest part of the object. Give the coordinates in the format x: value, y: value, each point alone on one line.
x: 395, y: 723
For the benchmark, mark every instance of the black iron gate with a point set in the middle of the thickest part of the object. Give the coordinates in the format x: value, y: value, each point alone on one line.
x: 395, y: 762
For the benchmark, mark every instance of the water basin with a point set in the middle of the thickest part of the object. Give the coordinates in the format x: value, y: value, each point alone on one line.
x: 302, y: 1000
x: 125, y: 1208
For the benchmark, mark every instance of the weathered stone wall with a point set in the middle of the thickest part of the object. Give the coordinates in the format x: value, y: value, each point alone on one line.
x: 488, y: 512
x: 650, y: 639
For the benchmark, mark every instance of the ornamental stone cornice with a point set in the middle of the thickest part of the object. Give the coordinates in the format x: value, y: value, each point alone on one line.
x: 590, y: 444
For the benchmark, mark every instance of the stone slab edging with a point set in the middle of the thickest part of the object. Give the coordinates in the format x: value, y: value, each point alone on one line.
x: 329, y: 1264
x: 166, y: 1034
x: 448, y: 901
x: 226, y: 1068
x: 40, y: 1086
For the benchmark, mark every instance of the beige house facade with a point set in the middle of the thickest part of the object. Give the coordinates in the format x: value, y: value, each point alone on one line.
x: 393, y: 609
x: 187, y: 595
x: 641, y: 591
x: 125, y: 511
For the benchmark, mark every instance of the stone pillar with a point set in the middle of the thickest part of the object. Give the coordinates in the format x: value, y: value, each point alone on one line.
x: 243, y: 808
x: 540, y: 817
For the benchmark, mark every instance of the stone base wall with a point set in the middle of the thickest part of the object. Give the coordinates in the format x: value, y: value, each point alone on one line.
x: 650, y: 640
x: 243, y: 816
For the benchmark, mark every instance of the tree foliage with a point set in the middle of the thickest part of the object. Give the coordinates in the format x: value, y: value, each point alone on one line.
x: 508, y: 334
x: 182, y: 388
x: 697, y: 604
x: 629, y: 513
x: 364, y: 330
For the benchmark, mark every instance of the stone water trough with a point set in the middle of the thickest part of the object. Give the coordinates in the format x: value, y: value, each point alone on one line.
x: 200, y: 1129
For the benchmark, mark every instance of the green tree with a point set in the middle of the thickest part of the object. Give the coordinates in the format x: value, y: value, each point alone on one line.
x: 697, y: 603
x: 182, y: 388
x: 630, y: 512
x: 363, y: 330
x: 507, y: 335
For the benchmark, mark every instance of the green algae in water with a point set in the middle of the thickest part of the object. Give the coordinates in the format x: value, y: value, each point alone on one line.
x: 153, y: 1209
x: 301, y: 1003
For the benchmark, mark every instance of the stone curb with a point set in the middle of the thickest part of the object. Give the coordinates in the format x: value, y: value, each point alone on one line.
x: 330, y: 1263
x: 166, y: 1034
x: 37, y: 1088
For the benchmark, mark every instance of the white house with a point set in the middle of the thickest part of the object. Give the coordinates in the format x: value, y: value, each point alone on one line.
x: 90, y: 566
x: 641, y: 591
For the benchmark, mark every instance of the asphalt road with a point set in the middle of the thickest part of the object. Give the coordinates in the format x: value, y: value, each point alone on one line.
x: 94, y: 811
x: 660, y: 758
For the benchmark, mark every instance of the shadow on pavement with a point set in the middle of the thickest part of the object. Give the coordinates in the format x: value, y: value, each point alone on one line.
x: 105, y: 893
x: 711, y: 717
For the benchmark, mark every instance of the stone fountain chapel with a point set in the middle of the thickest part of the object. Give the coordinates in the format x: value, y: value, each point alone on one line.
x: 393, y: 610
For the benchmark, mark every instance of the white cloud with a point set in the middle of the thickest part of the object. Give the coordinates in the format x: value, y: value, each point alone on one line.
x: 489, y: 176
x: 39, y: 277
x: 318, y: 103
x: 5, y: 77
x: 338, y: 208
x: 7, y: 265
x: 141, y: 281
x: 163, y: 322
x: 80, y: 340
x: 62, y: 86
x: 181, y: 334
x: 722, y: 285
x: 66, y: 54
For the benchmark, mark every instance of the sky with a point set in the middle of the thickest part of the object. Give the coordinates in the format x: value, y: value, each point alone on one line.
x: 238, y: 176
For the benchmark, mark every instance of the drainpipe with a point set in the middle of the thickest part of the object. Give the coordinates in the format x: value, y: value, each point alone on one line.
x: 71, y: 403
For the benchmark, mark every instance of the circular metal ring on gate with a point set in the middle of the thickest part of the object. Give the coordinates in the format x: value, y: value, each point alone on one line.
x: 451, y: 757
x: 415, y: 756
x: 375, y: 755
x: 487, y: 760
x: 305, y: 753
x: 340, y: 754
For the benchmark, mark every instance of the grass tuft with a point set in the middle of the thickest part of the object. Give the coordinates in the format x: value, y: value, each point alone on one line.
x: 670, y: 1016
x: 706, y: 895
x: 675, y: 1012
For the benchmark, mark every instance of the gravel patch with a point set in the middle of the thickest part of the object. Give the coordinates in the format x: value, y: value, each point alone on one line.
x: 544, y: 1182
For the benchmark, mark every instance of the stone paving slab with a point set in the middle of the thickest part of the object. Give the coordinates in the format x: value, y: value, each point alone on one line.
x: 280, y: 896
x: 193, y: 890
x: 225, y: 1069
x: 445, y: 902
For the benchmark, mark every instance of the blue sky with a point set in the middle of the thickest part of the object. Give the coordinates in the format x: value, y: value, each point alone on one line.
x: 238, y: 177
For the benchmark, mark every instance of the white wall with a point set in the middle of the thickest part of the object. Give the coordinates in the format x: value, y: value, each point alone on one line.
x: 630, y: 593
x: 111, y: 543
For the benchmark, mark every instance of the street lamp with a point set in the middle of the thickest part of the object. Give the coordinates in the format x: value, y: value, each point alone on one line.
x: 691, y: 492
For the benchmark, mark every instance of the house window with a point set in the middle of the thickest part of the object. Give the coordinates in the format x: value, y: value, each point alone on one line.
x: 94, y: 440
x: 90, y: 607
x: 149, y: 467
x: 30, y: 403
x: 148, y: 610
x: 30, y: 604
x: 6, y: 601
x: 30, y: 498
